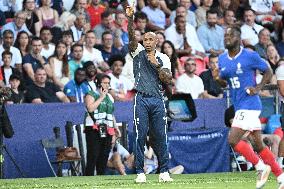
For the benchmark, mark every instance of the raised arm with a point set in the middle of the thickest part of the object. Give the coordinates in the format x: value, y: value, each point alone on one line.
x: 133, y: 44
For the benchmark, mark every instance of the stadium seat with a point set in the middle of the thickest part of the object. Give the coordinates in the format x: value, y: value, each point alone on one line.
x: 51, y: 148
x: 201, y: 63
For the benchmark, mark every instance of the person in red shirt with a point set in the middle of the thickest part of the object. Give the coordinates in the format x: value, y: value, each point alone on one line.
x: 95, y: 10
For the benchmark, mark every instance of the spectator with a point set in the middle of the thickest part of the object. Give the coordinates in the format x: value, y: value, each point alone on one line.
x: 10, y: 7
x: 76, y: 89
x: 32, y: 21
x: 141, y: 21
x: 176, y: 67
x: 95, y: 11
x: 47, y: 15
x: 17, y: 25
x: 189, y: 82
x: 80, y: 6
x: 23, y: 43
x: 66, y: 21
x: 184, y: 38
x: 200, y: 12
x: 120, y: 24
x: 79, y: 28
x: 157, y: 18
x: 91, y: 73
x: 183, y: 10
x: 280, y: 43
x: 77, y: 59
x: 92, y: 54
x: 211, y: 35
x: 250, y: 29
x: 272, y: 57
x: 105, y: 25
x: 42, y: 91
x: 33, y: 61
x: 223, y: 5
x: 2, y: 19
x: 101, y: 131
x: 18, y: 96
x: 263, y: 42
x: 7, y: 45
x: 59, y: 65
x: 7, y: 70
x: 107, y: 48
x: 118, y: 83
x: 46, y: 38
x: 161, y: 38
x: 229, y: 18
x: 212, y: 89
x: 67, y: 38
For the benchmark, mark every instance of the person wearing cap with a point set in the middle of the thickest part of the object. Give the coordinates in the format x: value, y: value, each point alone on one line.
x: 118, y: 82
x: 18, y: 95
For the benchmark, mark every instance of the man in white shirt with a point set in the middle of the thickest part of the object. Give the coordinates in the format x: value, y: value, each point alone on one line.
x: 118, y: 82
x: 265, y: 9
x: 250, y: 29
x: 189, y: 82
x: 48, y: 48
x: 8, y: 40
x: 180, y: 32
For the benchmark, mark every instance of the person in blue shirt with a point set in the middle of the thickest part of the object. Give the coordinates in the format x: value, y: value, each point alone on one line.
x: 77, y: 88
x: 237, y: 68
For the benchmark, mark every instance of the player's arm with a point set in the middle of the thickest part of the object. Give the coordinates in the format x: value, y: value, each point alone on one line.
x: 133, y: 44
x: 216, y: 77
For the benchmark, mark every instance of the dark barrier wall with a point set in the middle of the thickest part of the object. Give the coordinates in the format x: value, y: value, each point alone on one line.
x: 34, y: 122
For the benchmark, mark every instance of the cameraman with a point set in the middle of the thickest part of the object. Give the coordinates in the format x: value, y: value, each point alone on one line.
x: 99, y: 126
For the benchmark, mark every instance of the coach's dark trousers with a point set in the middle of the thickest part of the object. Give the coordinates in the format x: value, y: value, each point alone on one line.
x: 150, y: 114
x: 98, y: 150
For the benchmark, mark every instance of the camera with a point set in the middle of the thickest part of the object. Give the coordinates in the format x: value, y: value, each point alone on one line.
x: 103, y: 130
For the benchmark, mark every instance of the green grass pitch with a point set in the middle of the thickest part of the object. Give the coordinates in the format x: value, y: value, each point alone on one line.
x: 244, y: 180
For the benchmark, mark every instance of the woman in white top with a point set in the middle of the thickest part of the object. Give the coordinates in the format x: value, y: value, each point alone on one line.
x: 59, y: 65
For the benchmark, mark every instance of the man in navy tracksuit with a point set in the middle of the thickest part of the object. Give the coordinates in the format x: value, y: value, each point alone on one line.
x: 149, y: 107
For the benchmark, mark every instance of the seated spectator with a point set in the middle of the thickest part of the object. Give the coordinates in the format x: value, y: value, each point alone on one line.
x: 34, y: 60
x: 32, y: 21
x: 17, y: 25
x: 105, y: 25
x: 250, y: 29
x: 7, y: 70
x: 66, y: 21
x: 222, y: 6
x: 280, y: 43
x: 77, y: 59
x: 263, y: 42
x: 189, y: 82
x: 46, y: 37
x: 76, y: 89
x: 7, y: 45
x: 212, y: 89
x: 176, y: 67
x: 141, y: 21
x: 23, y: 43
x: 18, y: 95
x: 157, y: 18
x: 47, y: 15
x: 272, y: 57
x: 211, y: 35
x: 161, y: 38
x: 10, y: 7
x: 42, y: 91
x: 80, y: 6
x: 120, y: 160
x: 107, y: 48
x: 59, y: 65
x: 118, y: 83
x: 200, y: 12
x: 67, y: 38
x: 95, y: 10
x: 184, y: 11
x: 229, y: 19
x: 92, y: 54
x: 120, y: 24
x: 91, y: 73
x: 80, y: 27
x: 184, y: 38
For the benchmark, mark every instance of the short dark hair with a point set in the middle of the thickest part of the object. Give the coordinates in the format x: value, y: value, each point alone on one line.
x: 6, y: 52
x: 105, y: 14
x: 15, y: 76
x: 87, y: 64
x: 140, y: 15
x: 106, y: 33
x: 8, y: 32
x: 44, y: 28
x: 67, y: 32
x: 213, y: 55
x: 76, y: 45
x: 35, y: 38
x: 211, y: 11
x: 79, y: 70
x: 249, y: 9
x: 115, y: 57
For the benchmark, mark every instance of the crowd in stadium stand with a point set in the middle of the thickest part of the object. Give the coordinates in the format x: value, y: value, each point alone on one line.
x: 53, y: 50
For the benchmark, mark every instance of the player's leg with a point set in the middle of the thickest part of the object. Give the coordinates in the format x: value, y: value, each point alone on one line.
x: 158, y: 130
x: 140, y: 129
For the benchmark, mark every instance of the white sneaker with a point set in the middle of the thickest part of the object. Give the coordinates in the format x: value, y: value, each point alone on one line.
x: 262, y: 176
x: 165, y: 177
x: 141, y: 178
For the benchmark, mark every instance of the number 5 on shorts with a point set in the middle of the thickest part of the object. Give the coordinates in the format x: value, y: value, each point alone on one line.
x: 240, y: 116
